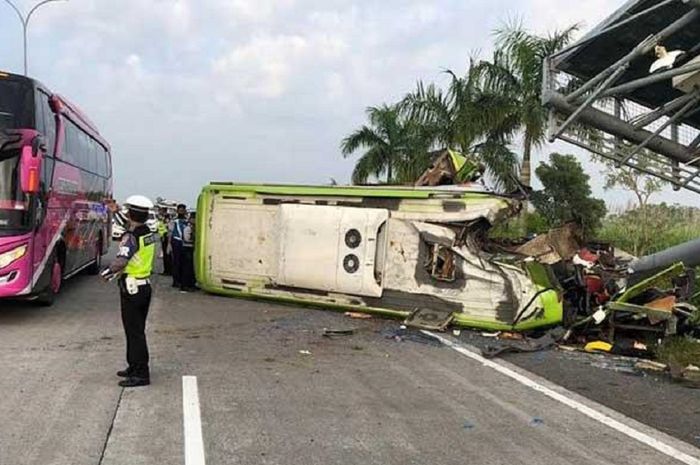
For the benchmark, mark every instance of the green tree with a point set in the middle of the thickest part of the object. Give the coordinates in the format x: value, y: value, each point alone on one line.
x: 643, y: 186
x: 459, y: 118
x: 515, y: 76
x: 566, y: 194
x: 395, y: 147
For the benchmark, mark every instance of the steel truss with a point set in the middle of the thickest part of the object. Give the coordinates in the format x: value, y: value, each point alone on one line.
x: 599, y: 115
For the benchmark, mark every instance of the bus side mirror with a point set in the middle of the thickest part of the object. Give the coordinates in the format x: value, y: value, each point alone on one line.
x: 30, y: 169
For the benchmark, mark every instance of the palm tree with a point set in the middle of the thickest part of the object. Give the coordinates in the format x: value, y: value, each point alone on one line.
x: 395, y: 147
x: 460, y: 118
x: 516, y: 74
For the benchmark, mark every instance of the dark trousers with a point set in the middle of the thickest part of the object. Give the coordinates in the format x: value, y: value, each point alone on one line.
x: 134, y: 313
x: 167, y: 258
x: 177, y: 263
x: 187, y: 269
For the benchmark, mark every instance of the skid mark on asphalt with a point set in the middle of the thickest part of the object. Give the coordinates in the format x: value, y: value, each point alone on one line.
x: 192, y: 422
x: 567, y: 398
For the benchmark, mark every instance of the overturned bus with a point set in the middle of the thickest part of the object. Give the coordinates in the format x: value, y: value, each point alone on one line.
x: 396, y: 251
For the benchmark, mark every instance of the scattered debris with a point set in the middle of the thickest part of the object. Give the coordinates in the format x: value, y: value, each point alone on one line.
x: 430, y: 319
x: 404, y: 334
x: 456, y: 332
x: 337, y: 332
x: 598, y: 346
x: 468, y: 425
x: 688, y: 376
x: 510, y: 336
x: 358, y: 315
x: 491, y: 334
x: 546, y: 341
x: 536, y: 421
x: 305, y: 352
x: 450, y: 167
x: 649, y: 365
x: 559, y: 244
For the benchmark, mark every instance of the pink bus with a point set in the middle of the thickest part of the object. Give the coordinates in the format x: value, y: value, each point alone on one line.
x: 55, y: 191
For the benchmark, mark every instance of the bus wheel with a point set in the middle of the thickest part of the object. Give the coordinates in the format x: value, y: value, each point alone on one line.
x: 96, y: 266
x: 48, y: 295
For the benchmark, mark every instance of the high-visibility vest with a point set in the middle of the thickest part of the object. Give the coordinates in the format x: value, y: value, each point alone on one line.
x: 162, y: 228
x: 141, y: 264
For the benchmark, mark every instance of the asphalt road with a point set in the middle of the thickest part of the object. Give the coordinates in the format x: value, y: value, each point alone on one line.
x: 360, y: 399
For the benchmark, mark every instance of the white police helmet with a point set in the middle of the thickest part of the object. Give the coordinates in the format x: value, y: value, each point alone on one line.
x: 139, y: 203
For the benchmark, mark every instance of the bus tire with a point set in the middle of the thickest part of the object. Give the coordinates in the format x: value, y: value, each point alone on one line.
x: 48, y: 296
x: 96, y: 265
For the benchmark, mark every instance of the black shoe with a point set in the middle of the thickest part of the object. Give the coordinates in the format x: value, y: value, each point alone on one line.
x: 124, y: 373
x: 134, y: 381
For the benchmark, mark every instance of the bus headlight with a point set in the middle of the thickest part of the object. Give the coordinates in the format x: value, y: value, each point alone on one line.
x: 7, y: 258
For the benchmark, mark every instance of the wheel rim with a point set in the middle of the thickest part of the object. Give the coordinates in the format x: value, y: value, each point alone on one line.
x: 56, y: 277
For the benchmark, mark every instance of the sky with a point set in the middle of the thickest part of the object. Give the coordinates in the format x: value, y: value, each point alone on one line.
x: 191, y: 91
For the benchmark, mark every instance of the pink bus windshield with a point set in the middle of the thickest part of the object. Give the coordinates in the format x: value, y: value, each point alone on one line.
x: 13, y: 204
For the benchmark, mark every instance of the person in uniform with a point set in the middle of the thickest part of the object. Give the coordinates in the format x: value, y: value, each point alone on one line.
x: 177, y: 230
x: 188, y: 281
x: 132, y: 267
x: 163, y: 221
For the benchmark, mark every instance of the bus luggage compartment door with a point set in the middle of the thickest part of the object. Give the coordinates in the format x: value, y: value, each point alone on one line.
x: 331, y: 248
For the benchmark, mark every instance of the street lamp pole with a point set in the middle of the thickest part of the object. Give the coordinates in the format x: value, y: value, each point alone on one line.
x: 25, y: 22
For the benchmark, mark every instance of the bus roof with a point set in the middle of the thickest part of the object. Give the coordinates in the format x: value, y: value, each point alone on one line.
x: 70, y: 109
x: 356, y: 191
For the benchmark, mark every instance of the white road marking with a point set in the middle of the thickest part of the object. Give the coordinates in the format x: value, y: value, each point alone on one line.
x: 194, y: 445
x: 574, y: 404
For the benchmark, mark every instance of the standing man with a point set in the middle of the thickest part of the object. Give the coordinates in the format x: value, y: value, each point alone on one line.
x: 133, y: 267
x: 188, y: 281
x: 177, y: 230
x: 163, y: 233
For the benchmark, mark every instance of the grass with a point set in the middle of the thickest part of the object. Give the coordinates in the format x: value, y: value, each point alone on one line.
x: 679, y: 350
x: 661, y: 227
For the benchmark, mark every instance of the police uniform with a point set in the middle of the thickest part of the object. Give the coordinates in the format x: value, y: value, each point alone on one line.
x: 176, y: 234
x: 163, y: 233
x: 133, y: 265
x: 187, y: 278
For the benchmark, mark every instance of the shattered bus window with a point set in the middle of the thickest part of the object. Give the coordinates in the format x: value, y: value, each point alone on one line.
x: 441, y: 263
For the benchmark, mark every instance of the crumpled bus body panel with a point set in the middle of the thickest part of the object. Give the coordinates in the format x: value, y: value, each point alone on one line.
x: 390, y: 251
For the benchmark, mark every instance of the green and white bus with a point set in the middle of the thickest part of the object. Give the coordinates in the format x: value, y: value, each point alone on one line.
x: 384, y: 250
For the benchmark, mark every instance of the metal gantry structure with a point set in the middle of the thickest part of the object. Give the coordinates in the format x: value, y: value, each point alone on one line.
x: 620, y: 94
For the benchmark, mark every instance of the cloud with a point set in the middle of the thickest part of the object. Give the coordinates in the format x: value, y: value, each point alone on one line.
x: 549, y: 15
x: 265, y: 65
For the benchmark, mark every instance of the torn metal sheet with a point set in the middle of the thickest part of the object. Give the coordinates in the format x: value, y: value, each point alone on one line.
x: 449, y: 168
x: 559, y: 244
x: 432, y: 320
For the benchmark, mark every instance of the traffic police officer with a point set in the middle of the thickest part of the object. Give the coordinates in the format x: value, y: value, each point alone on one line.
x: 133, y: 267
x: 176, y: 232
